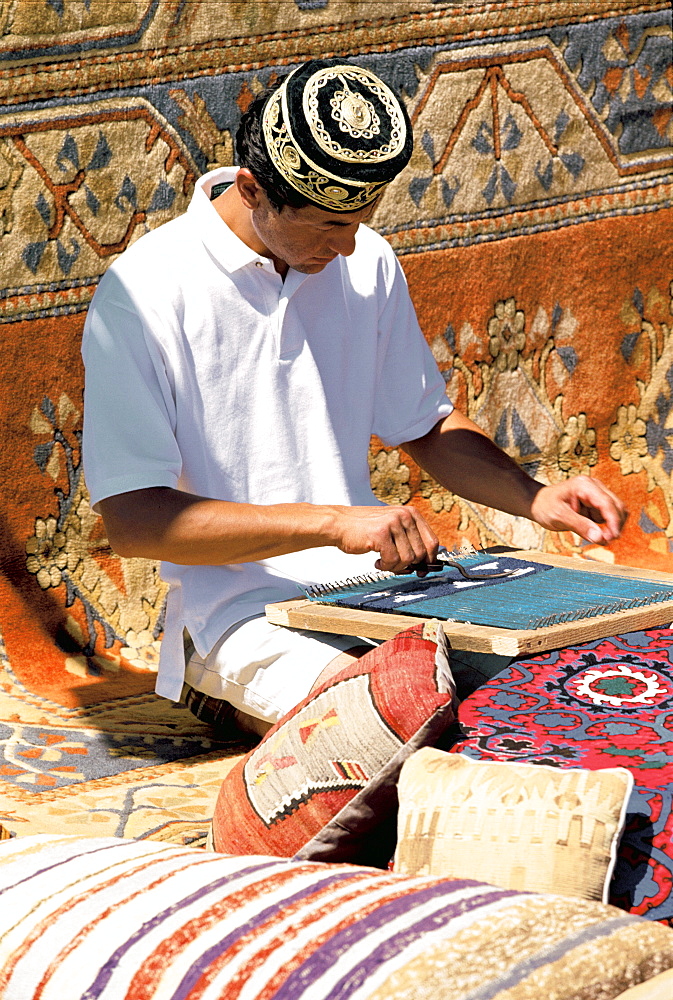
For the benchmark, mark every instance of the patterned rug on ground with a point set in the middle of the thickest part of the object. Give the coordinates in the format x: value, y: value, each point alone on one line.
x: 531, y: 224
x: 129, y: 765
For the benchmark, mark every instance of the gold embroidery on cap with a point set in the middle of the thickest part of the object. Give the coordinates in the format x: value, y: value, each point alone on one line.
x: 345, y: 104
x: 337, y: 193
x: 291, y: 157
x: 291, y: 163
x: 354, y: 114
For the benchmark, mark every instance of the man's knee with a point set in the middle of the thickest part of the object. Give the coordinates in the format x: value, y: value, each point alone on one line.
x: 338, y: 663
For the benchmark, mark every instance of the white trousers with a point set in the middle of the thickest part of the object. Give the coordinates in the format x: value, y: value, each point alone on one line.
x: 263, y: 669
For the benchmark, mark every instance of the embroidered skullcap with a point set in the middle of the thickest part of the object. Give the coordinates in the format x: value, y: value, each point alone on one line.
x: 336, y: 133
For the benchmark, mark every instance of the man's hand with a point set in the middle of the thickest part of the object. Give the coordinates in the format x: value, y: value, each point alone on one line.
x: 458, y: 455
x: 582, y: 505
x: 399, y: 534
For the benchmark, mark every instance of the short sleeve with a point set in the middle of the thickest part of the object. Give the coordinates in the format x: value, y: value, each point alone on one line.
x: 129, y: 409
x: 411, y: 391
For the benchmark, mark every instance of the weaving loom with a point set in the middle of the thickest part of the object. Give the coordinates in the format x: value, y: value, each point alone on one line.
x: 502, y: 602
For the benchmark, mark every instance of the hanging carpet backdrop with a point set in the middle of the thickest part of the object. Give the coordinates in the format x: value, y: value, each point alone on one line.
x: 534, y: 224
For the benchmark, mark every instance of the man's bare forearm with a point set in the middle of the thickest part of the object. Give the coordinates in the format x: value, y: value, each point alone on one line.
x: 162, y: 523
x: 167, y: 524
x: 459, y: 456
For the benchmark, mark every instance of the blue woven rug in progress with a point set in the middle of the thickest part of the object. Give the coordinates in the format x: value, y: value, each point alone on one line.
x: 532, y: 595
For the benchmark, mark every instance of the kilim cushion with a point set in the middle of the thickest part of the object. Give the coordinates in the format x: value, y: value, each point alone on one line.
x: 596, y: 705
x: 112, y: 919
x: 323, y: 780
x: 519, y: 826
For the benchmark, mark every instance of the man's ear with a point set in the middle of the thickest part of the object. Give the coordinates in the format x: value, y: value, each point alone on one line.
x: 248, y: 189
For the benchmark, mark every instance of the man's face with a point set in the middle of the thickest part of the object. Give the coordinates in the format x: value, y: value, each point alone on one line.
x: 307, y: 238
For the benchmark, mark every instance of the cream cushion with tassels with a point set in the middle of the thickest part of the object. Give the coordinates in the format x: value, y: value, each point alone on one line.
x: 518, y: 826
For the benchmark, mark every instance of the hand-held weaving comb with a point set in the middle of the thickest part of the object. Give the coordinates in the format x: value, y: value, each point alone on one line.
x: 509, y: 603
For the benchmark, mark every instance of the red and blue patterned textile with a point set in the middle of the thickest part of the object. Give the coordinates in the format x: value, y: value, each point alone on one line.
x: 599, y: 704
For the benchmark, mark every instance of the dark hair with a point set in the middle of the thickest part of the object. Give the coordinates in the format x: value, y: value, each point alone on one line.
x: 251, y: 153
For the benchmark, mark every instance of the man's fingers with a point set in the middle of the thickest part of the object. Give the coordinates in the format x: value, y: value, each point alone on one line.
x: 593, y: 513
x: 582, y: 505
x: 413, y: 544
x: 592, y: 532
x: 586, y: 527
x: 404, y: 548
x: 401, y: 537
x: 394, y: 554
x: 600, y: 505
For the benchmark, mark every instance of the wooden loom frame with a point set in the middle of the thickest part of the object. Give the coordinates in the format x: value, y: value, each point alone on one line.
x: 302, y: 613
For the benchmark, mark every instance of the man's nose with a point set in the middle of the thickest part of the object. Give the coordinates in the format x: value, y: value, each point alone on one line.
x: 342, y: 240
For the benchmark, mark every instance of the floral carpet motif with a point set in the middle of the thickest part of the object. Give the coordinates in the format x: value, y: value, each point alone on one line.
x: 531, y: 223
x: 603, y: 704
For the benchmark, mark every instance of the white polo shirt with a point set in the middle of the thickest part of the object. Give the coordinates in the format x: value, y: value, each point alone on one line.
x: 206, y: 372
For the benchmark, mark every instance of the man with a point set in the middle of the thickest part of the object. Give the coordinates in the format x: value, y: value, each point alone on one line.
x: 238, y: 360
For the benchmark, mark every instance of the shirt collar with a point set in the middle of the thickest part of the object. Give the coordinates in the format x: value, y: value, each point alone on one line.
x: 217, y: 237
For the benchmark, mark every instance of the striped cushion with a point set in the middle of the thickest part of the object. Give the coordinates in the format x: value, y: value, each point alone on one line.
x: 108, y: 919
